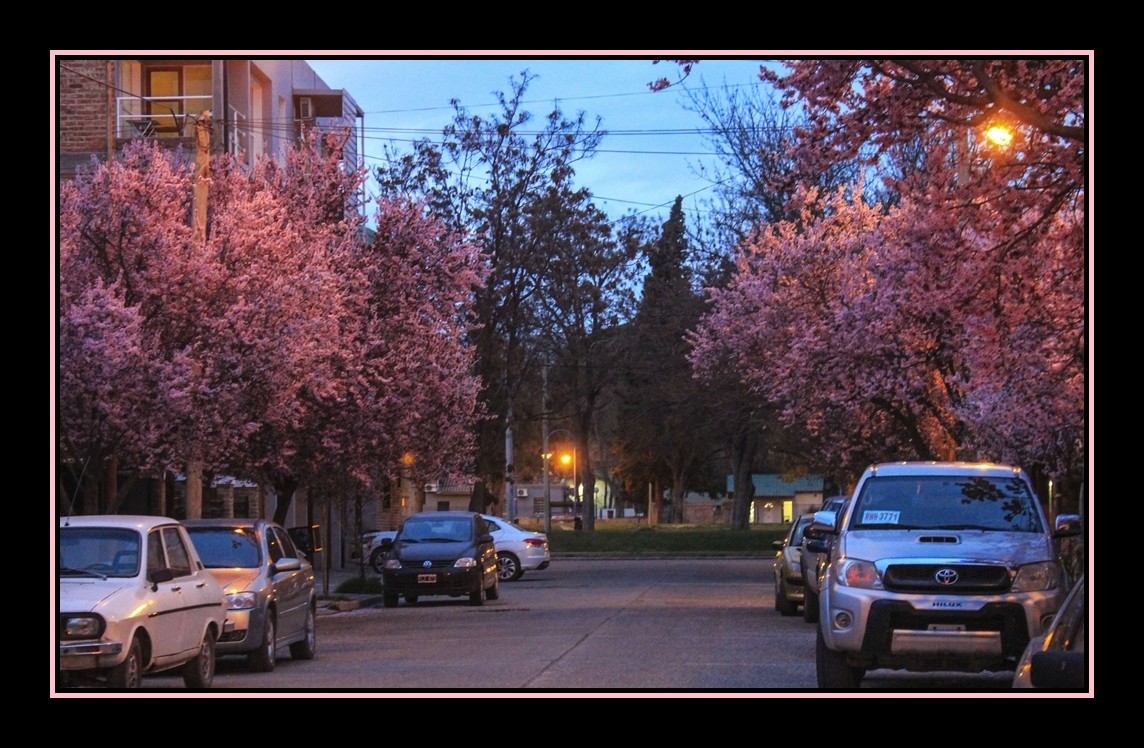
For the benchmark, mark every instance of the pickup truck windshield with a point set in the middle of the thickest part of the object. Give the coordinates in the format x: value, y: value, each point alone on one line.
x: 945, y: 503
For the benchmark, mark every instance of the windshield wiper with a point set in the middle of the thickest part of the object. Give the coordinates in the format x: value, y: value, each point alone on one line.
x: 81, y: 572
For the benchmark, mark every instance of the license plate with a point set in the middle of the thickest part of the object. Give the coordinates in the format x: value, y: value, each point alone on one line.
x: 426, y: 578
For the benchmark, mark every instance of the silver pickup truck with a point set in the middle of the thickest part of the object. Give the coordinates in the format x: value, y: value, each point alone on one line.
x: 936, y: 566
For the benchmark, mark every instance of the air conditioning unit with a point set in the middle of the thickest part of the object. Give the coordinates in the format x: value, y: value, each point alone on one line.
x: 432, y: 487
x: 522, y: 493
x: 305, y: 107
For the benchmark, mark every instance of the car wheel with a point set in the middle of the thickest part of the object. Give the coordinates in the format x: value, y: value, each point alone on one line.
x: 305, y: 649
x: 493, y: 593
x: 831, y: 667
x: 377, y: 561
x: 508, y: 567
x: 199, y: 672
x: 129, y: 673
x: 810, y: 606
x: 478, y: 597
x: 389, y: 599
x: 784, y: 606
x: 262, y: 659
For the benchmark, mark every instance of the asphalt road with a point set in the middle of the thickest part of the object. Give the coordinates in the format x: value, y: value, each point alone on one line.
x: 581, y: 627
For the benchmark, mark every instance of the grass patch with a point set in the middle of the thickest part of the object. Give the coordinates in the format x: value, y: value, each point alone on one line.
x: 666, y: 540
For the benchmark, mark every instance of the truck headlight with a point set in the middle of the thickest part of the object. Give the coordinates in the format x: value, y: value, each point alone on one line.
x: 1037, y: 577
x: 854, y: 572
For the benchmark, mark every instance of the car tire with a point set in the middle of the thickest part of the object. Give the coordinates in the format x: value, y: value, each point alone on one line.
x: 831, y: 668
x: 477, y: 597
x: 307, y: 646
x: 389, y: 599
x: 493, y: 593
x: 810, y: 606
x: 508, y: 567
x: 262, y: 660
x: 199, y: 672
x: 129, y: 673
x: 377, y: 560
x: 784, y: 606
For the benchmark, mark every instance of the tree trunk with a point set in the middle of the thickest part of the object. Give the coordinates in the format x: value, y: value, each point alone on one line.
x: 742, y: 458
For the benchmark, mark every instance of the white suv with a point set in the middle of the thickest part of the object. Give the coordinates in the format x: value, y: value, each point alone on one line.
x: 937, y: 566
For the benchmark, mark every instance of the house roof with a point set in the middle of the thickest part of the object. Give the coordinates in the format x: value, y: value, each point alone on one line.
x: 773, y: 484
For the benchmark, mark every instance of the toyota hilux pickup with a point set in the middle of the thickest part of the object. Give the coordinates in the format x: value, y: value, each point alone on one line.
x: 936, y: 566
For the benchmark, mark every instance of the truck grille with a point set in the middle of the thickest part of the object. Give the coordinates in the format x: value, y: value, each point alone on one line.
x: 947, y: 579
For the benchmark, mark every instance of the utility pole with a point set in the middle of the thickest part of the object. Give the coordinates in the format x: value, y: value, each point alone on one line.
x: 194, y: 490
x: 546, y: 455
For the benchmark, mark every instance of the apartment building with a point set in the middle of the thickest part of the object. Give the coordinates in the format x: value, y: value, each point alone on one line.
x: 256, y: 107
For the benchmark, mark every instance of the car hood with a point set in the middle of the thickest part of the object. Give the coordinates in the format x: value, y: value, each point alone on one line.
x: 236, y: 580
x: 1009, y: 548
x: 423, y: 551
x: 82, y: 595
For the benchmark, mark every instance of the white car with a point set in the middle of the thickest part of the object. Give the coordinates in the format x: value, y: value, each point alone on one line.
x: 134, y: 599
x: 518, y: 550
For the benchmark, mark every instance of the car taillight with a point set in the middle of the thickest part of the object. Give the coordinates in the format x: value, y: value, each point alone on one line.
x: 533, y: 541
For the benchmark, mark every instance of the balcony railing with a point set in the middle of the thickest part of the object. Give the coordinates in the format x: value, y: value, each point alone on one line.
x: 158, y: 116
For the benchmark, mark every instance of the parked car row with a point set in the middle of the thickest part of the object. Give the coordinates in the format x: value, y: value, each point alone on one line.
x: 140, y: 595
x: 936, y: 566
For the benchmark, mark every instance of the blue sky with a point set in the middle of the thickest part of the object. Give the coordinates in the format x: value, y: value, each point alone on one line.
x: 647, y: 159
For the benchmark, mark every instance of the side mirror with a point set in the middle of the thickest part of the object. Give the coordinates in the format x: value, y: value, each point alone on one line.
x: 385, y: 544
x: 1067, y: 525
x: 161, y: 575
x: 486, y: 538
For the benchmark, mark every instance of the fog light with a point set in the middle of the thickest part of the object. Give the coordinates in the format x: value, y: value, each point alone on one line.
x: 842, y: 620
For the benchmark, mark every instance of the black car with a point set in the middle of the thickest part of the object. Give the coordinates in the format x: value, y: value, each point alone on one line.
x: 441, y: 553
x: 789, y: 592
x: 815, y: 557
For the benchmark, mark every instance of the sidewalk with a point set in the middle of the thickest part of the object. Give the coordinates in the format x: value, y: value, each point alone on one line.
x: 331, y: 601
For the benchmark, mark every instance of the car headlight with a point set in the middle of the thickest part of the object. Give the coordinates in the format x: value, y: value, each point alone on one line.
x: 82, y: 627
x: 392, y: 563
x: 240, y: 600
x: 1037, y: 577
x: 465, y: 563
x: 854, y: 572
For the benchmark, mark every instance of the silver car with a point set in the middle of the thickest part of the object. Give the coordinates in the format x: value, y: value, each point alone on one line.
x: 269, y: 584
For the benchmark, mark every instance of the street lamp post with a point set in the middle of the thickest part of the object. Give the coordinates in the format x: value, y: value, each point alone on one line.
x: 547, y: 480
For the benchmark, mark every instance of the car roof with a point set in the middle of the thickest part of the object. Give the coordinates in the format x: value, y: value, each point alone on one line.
x: 228, y: 522
x: 943, y: 468
x: 140, y: 522
x: 451, y: 514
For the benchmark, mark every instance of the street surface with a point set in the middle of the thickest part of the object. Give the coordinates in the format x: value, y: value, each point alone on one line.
x: 580, y: 626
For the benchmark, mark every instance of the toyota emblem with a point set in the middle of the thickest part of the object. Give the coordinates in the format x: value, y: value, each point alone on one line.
x: 945, y: 577
x: 428, y: 564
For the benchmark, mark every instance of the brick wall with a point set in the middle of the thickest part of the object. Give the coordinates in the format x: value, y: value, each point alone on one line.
x: 82, y: 103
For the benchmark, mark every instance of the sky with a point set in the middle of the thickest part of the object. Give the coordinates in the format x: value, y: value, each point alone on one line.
x: 648, y: 158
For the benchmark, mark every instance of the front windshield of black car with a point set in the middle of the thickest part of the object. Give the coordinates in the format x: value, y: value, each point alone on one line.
x: 945, y: 503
